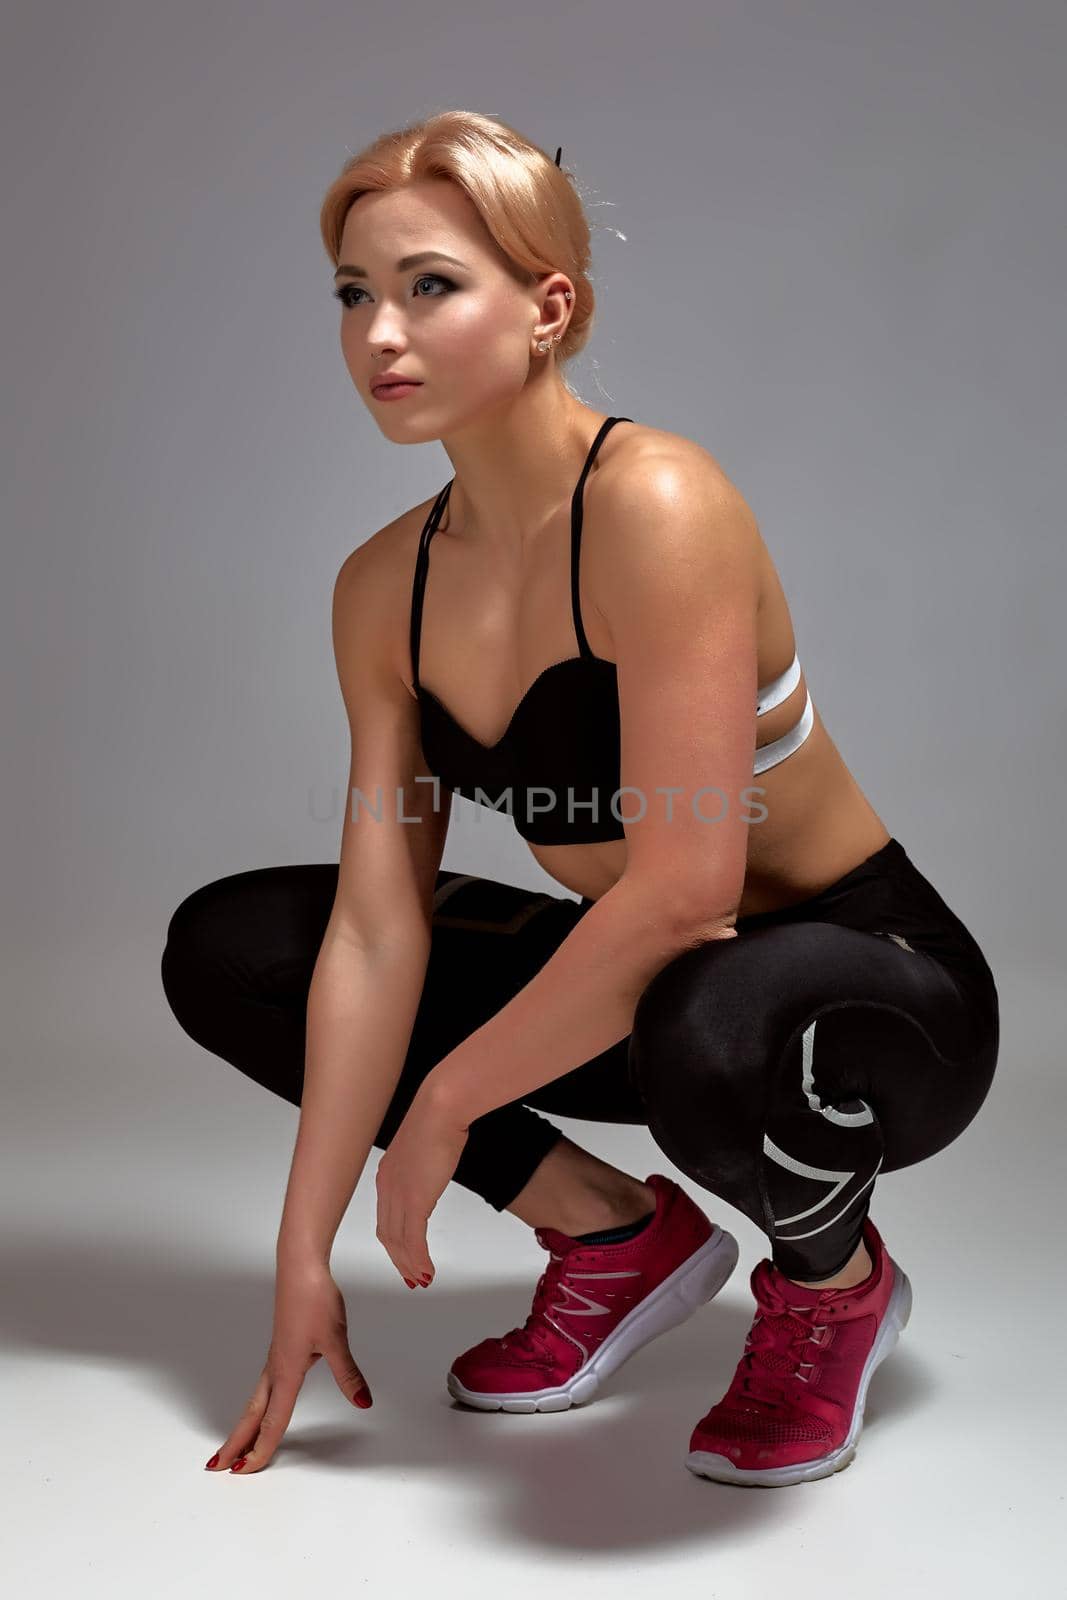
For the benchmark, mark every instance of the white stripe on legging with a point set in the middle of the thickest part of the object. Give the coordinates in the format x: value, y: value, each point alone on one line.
x: 845, y: 1119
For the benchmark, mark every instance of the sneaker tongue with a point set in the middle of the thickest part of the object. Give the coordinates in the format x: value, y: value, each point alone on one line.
x: 552, y: 1240
x: 773, y: 1289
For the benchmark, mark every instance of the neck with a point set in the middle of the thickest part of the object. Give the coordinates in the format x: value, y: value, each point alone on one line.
x: 515, y: 468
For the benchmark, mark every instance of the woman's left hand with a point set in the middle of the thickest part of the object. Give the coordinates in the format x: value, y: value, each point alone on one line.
x: 413, y: 1173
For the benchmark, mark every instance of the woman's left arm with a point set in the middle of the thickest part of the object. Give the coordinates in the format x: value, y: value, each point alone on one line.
x: 679, y: 596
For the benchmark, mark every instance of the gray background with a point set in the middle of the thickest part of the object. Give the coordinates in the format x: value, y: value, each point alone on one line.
x: 829, y: 246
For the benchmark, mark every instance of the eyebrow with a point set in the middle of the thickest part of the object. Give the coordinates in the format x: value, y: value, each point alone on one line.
x: 402, y: 265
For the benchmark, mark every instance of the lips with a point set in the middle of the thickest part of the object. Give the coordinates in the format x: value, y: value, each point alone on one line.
x: 385, y: 384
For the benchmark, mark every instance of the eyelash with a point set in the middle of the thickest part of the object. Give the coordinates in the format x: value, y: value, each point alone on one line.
x: 432, y: 277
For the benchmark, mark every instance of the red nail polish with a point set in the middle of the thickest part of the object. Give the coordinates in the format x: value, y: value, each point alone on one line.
x: 238, y: 1464
x: 409, y: 1283
x: 362, y: 1399
x: 214, y: 1460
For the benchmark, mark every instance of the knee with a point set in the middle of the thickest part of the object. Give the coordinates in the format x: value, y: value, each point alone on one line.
x: 685, y: 1032
x: 191, y: 924
x: 195, y: 940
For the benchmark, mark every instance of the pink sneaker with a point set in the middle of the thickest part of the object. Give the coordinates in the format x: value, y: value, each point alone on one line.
x: 595, y: 1305
x: 794, y: 1408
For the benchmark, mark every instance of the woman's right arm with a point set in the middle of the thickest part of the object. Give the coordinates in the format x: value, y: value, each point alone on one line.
x: 363, y: 999
x: 369, y: 975
x: 361, y: 1009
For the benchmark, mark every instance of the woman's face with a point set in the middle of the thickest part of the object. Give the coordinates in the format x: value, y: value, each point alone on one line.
x: 463, y: 326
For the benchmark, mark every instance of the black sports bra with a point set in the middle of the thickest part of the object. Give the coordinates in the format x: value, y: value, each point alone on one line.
x: 555, y: 768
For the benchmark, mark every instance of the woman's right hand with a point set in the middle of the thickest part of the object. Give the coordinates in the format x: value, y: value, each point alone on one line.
x: 309, y: 1322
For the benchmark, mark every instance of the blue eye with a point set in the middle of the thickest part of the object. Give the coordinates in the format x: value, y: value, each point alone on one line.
x: 345, y: 292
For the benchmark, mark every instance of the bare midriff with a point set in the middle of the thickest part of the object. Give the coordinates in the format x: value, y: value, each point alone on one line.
x: 815, y: 823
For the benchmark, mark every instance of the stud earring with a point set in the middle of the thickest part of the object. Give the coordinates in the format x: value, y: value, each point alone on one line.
x: 546, y: 344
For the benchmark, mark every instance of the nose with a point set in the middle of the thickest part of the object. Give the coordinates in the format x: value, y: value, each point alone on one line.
x: 385, y: 329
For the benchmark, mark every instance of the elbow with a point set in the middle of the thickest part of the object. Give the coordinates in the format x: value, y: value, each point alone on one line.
x: 711, y: 916
x: 689, y: 921
x: 702, y: 930
x: 708, y: 909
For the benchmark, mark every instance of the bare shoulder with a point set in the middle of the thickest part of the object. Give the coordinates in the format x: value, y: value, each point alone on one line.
x: 663, y: 485
x: 374, y: 585
x: 382, y: 557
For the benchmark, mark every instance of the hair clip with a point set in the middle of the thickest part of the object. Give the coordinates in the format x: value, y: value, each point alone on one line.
x: 559, y: 152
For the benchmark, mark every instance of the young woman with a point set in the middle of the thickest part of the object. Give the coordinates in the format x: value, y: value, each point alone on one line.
x: 753, y: 967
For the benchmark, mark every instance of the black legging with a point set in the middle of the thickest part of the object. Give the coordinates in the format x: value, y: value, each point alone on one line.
x: 852, y: 1033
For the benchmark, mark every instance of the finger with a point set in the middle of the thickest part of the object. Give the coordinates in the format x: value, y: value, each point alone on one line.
x: 404, y: 1247
x: 273, y: 1423
x: 391, y: 1227
x: 350, y: 1380
x: 385, y: 1232
x: 412, y: 1246
x: 416, y: 1250
x: 245, y: 1429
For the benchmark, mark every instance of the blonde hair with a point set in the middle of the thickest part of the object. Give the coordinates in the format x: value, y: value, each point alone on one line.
x: 530, y: 207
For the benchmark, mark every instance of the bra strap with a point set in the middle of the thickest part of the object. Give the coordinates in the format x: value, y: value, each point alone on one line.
x: 780, y: 689
x: 418, y: 588
x: 576, y: 531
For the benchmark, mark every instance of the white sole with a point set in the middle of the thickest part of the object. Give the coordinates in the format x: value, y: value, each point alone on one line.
x: 709, y: 1464
x: 693, y: 1284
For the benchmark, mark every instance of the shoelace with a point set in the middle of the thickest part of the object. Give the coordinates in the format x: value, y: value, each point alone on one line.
x: 530, y: 1337
x: 772, y: 1362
